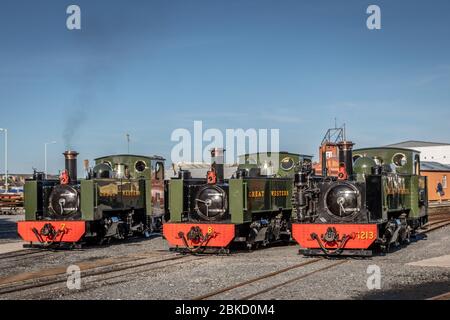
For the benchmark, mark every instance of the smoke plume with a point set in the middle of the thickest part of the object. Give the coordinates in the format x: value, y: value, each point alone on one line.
x: 73, y: 122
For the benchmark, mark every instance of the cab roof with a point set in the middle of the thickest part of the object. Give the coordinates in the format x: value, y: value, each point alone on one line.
x: 154, y: 157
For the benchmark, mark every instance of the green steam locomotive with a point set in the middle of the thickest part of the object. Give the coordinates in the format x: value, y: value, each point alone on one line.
x: 253, y: 207
x: 378, y: 201
x: 121, y: 195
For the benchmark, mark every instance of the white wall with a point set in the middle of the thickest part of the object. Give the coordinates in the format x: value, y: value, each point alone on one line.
x: 439, y: 154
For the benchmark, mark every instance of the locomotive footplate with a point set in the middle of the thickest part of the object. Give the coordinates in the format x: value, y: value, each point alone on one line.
x: 48, y: 232
x: 54, y: 246
x: 196, y: 235
x: 201, y: 251
x: 320, y: 252
x: 335, y: 238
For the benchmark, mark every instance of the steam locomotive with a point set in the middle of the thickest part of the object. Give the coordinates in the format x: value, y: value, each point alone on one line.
x: 376, y: 201
x: 253, y: 207
x: 122, y: 195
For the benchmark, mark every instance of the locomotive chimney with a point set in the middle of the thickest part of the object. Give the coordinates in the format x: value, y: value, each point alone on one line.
x: 346, y: 155
x: 71, y: 164
x: 217, y: 160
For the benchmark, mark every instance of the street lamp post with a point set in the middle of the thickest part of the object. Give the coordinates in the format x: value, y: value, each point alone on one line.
x: 45, y: 155
x: 6, y: 158
x: 128, y: 142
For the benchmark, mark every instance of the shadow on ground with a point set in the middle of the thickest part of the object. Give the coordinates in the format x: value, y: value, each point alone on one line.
x: 411, y: 292
x: 8, y: 228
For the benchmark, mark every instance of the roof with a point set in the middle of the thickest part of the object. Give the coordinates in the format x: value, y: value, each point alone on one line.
x: 433, y: 166
x: 417, y: 144
x: 388, y: 148
x: 200, y: 165
x: 280, y: 152
x: 132, y: 155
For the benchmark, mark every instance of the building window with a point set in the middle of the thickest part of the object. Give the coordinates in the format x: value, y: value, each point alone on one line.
x: 444, y: 182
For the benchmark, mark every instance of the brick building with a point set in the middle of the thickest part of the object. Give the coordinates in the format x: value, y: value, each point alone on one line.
x: 436, y: 172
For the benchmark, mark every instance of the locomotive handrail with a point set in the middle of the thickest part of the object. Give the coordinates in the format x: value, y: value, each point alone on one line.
x: 245, y: 196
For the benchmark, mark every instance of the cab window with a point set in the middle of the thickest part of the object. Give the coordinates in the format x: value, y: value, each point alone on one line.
x: 417, y: 165
x: 159, y: 171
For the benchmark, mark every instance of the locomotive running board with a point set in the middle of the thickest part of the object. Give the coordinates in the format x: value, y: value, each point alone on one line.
x: 319, y: 252
x: 205, y: 251
x: 66, y: 231
x: 55, y: 246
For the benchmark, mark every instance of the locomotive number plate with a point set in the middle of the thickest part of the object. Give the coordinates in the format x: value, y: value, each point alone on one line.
x: 365, y: 235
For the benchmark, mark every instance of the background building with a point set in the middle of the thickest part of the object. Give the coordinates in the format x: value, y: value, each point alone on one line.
x: 429, y: 151
x: 198, y: 169
x: 436, y: 172
x: 435, y: 164
x: 17, y: 181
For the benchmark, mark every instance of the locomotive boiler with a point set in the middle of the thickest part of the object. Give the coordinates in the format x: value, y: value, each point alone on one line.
x: 377, y: 200
x: 121, y: 196
x: 252, y: 208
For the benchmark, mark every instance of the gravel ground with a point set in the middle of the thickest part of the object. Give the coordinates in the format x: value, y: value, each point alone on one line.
x: 195, y: 276
x: 51, y: 259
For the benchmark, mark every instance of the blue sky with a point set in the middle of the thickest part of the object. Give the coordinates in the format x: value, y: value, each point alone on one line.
x: 149, y: 67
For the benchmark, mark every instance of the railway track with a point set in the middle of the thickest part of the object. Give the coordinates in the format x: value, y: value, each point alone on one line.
x: 437, y: 214
x: 438, y: 221
x: 434, y: 225
x: 31, y: 253
x: 440, y: 218
x: 89, y: 269
x: 20, y: 253
x: 271, y: 275
x: 444, y: 296
x: 251, y: 296
x: 438, y: 209
x: 92, y: 282
x: 113, y: 269
x: 20, y: 258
